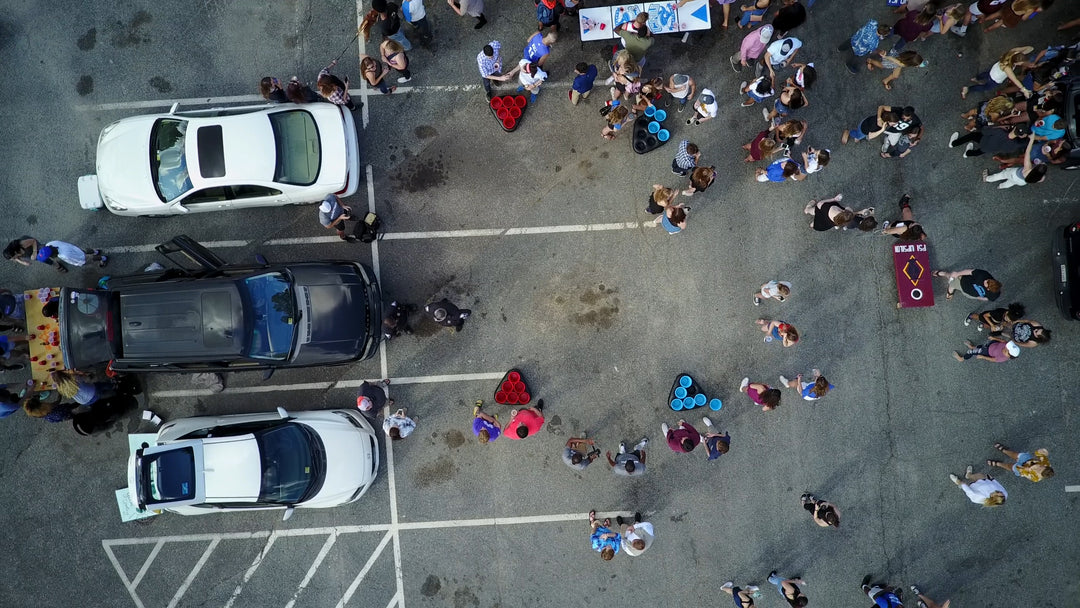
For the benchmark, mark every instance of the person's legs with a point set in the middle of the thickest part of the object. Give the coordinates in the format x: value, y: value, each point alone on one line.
x: 575, y: 97
x: 487, y: 86
x: 777, y: 581
x: 400, y: 37
x: 999, y: 176
x: 974, y: 136
x: 424, y: 29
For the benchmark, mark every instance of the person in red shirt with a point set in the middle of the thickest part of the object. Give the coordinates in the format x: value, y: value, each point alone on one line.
x: 683, y: 438
x: 525, y: 422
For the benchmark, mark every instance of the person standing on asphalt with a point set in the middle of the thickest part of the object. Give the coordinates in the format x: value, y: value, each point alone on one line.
x: 603, y: 540
x: 817, y: 388
x: 862, y: 43
x: 270, y: 89
x: 530, y: 77
x: 791, y: 15
x: 883, y: 595
x: 485, y: 426
x: 584, y: 77
x: 447, y: 314
x: 472, y: 8
x: 489, y: 61
x: 779, y: 330
x: 762, y: 394
x: 525, y: 422
x: 538, y: 47
x: 393, y: 55
x: 681, y: 87
x: 744, y: 597
x: 752, y: 48
x: 333, y: 89
x: 372, y: 397
x: 773, y: 290
x: 55, y: 252
x: 925, y: 602
x: 415, y: 13
x: 683, y: 438
x: 398, y: 426
x: 1031, y: 466
x: 686, y: 157
x: 995, y: 351
x: 789, y: 589
x: 981, y: 488
x: 629, y: 464
x: 389, y: 22
x: 716, y: 444
x: 636, y: 538
x: 825, y: 514
x: 576, y: 452
x: 332, y: 215
x: 974, y: 283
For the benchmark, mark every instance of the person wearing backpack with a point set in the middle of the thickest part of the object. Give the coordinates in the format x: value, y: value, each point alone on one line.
x: 547, y: 14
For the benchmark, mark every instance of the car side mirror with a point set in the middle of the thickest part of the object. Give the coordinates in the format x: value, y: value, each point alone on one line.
x: 261, y: 260
x: 175, y: 105
x: 281, y: 412
x: 181, y: 208
x: 288, y: 513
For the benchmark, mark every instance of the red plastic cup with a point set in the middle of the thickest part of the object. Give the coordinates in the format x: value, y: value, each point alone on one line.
x: 500, y: 397
x: 41, y: 328
x: 511, y: 398
x: 508, y: 387
x: 515, y: 112
x: 513, y: 376
x: 509, y: 123
x: 519, y: 387
x: 502, y: 113
x: 496, y: 102
x: 523, y: 398
x: 520, y: 101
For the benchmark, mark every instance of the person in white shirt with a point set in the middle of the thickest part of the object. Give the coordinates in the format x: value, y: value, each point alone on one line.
x: 779, y: 54
x: 773, y: 290
x: 981, y: 488
x: 399, y: 426
x: 416, y: 15
x: 530, y: 77
x: 637, y: 538
x: 705, y: 107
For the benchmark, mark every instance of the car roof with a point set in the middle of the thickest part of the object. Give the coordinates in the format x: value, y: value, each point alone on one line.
x: 243, y: 143
x: 182, y: 320
x: 232, y: 469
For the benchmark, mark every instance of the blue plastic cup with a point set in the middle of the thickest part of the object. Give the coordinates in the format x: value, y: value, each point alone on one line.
x: 649, y: 111
x: 688, y: 403
x: 654, y: 127
x: 660, y: 115
x: 680, y: 392
x: 676, y: 404
x: 663, y: 135
x: 715, y: 405
x: 700, y: 399
x: 685, y: 381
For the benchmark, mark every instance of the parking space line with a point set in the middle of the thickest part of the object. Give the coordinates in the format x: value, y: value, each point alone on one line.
x: 325, y: 386
x: 194, y: 572
x: 397, y: 600
x: 1072, y: 488
x: 252, y: 568
x: 146, y: 564
x: 363, y: 571
x: 330, y: 540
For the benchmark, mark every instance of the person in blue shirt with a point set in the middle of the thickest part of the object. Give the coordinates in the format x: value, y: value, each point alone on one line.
x: 862, y: 43
x: 883, y: 595
x: 583, y: 82
x: 603, y: 540
x: 538, y: 47
x: 9, y: 403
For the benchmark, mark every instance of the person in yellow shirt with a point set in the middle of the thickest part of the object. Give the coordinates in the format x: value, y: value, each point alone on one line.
x: 1035, y: 467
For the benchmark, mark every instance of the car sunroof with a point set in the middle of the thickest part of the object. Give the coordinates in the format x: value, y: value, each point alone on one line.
x: 211, y: 152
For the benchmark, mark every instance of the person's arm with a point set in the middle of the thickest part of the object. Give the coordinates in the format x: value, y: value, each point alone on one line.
x: 642, y: 456
x: 881, y: 129
x: 1028, y: 163
x: 788, y: 60
x: 1016, y: 81
x: 488, y: 417
x: 998, y: 338
x: 767, y: 58
x: 609, y: 460
x: 693, y: 88
x: 457, y: 7
x: 984, y: 357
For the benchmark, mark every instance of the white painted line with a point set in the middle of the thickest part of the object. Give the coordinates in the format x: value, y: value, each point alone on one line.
x: 146, y: 564
x: 1072, y: 488
x: 325, y: 386
x: 363, y: 571
x: 252, y: 568
x: 398, y: 600
x: 124, y: 542
x: 123, y: 577
x: 144, y: 248
x: 501, y: 521
x: 330, y: 539
x: 305, y: 240
x: 450, y: 234
x: 194, y: 572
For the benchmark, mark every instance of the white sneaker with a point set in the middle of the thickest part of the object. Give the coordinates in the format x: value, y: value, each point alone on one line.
x: 609, y: 80
x: 745, y: 383
x: 403, y: 80
x: 664, y: 428
x: 742, y: 85
x: 784, y: 381
x: 727, y: 585
x: 753, y: 588
x: 968, y: 148
x: 952, y: 139
x: 706, y: 420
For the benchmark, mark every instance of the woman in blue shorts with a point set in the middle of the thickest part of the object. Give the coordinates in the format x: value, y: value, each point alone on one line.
x: 870, y: 127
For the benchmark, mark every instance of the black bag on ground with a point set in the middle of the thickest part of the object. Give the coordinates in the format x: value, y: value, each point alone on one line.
x: 367, y: 229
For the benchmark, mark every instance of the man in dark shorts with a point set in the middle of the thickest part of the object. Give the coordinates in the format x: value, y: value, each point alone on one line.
x: 447, y: 314
x: 974, y: 283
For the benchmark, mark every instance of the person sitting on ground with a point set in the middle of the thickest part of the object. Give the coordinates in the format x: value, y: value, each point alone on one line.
x: 576, y: 452
x: 603, y: 539
x: 993, y: 351
x: 779, y: 330
x: 981, y: 488
x: 762, y: 394
x: 997, y: 319
x: 813, y: 390
x: 485, y: 426
x: 974, y: 283
x: 1031, y: 466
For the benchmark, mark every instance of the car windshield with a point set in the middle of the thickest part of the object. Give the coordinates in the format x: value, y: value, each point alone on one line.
x: 273, y: 316
x: 168, y: 162
x: 293, y: 463
x: 296, y: 139
x: 168, y: 476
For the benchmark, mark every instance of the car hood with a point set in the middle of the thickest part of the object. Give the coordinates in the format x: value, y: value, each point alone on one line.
x: 350, y: 459
x: 123, y: 163
x: 336, y: 314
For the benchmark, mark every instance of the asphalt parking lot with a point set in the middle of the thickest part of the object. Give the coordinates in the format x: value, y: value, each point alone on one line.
x: 543, y: 234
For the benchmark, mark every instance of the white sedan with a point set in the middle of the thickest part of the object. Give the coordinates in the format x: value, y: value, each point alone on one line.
x: 225, y: 158
x: 276, y: 460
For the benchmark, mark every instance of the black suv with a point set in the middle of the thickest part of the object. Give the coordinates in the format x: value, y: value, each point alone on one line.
x: 206, y: 315
x: 1067, y: 269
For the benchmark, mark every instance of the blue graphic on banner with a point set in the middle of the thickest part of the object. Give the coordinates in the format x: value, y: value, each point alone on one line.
x: 662, y: 18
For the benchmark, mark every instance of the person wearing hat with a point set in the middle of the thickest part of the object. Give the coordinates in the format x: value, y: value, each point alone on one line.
x: 705, y: 108
x: 997, y: 352
x: 332, y: 214
x: 55, y: 252
x: 779, y: 54
x: 752, y: 47
x: 372, y: 397
x: 446, y: 314
x: 530, y: 77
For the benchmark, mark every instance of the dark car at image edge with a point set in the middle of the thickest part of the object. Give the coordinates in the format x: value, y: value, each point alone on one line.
x: 206, y: 315
x: 1067, y: 269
